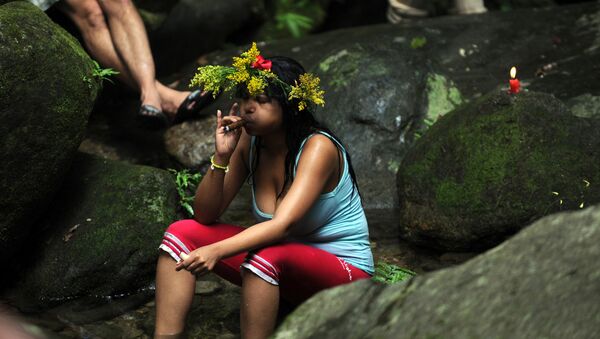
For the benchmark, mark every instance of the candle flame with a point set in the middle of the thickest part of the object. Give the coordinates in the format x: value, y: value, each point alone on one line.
x: 513, y: 72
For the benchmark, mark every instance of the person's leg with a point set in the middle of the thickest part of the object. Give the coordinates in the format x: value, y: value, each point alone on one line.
x: 88, y: 17
x: 131, y: 42
x: 175, y: 290
x: 260, y: 302
x: 469, y: 6
x: 301, y: 270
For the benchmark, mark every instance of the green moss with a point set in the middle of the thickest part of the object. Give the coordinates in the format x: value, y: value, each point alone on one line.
x: 341, y: 66
x: 393, y: 165
x: 442, y: 96
x: 494, y: 164
x: 418, y: 42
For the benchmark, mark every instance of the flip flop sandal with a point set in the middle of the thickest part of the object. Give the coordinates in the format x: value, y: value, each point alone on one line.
x: 152, y: 118
x: 192, y: 105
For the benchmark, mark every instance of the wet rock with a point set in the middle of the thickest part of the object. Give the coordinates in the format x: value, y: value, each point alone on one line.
x: 544, y: 282
x: 192, y: 143
x: 486, y: 170
x: 48, y: 90
x: 102, y: 235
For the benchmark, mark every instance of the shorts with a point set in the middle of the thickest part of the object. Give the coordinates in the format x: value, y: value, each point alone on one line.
x: 299, y: 270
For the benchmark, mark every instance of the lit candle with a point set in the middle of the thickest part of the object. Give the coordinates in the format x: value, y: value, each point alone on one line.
x: 515, y: 85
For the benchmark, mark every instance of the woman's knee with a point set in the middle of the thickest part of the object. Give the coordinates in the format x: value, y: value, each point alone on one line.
x: 184, y: 227
x: 266, y: 263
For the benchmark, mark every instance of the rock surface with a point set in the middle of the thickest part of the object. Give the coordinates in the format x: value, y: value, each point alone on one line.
x: 543, y: 283
x: 491, y: 167
x: 48, y: 90
x: 192, y: 27
x: 102, y: 235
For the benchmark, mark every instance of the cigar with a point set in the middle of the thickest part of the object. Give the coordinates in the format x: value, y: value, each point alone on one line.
x: 234, y: 126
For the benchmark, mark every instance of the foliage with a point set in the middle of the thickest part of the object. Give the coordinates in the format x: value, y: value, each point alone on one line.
x: 186, y: 183
x: 99, y: 73
x: 418, y: 42
x: 295, y: 23
x: 391, y: 274
x: 292, y: 18
x: 102, y: 73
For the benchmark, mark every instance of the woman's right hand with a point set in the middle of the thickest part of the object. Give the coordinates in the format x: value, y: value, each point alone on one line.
x: 225, y: 142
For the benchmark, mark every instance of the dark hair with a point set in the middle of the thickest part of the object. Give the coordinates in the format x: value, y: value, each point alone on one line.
x: 297, y: 124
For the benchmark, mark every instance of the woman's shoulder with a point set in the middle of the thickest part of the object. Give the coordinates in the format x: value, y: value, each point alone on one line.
x: 321, y: 145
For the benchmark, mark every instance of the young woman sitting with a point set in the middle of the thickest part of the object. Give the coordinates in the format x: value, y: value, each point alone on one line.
x: 311, y: 231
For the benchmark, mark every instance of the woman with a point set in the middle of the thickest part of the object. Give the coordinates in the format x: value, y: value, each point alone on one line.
x: 311, y: 233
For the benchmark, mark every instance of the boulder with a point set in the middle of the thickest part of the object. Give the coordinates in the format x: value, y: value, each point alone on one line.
x: 102, y: 236
x: 48, y: 90
x: 486, y: 170
x: 543, y: 283
x: 382, y: 82
x: 186, y: 30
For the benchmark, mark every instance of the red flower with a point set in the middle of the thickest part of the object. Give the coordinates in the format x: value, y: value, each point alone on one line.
x: 262, y: 63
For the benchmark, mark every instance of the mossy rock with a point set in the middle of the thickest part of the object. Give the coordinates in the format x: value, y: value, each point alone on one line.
x: 542, y: 283
x: 486, y: 170
x: 102, y: 235
x: 48, y: 92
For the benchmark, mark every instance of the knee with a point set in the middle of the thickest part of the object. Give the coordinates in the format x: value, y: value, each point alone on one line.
x: 90, y: 16
x: 185, y: 227
x: 266, y: 263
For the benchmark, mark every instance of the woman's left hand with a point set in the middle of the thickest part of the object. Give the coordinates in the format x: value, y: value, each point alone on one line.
x: 200, y: 261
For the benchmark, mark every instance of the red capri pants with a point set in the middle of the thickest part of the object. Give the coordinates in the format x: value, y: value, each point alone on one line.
x: 299, y: 270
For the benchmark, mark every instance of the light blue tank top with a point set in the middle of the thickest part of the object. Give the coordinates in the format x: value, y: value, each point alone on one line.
x: 335, y: 223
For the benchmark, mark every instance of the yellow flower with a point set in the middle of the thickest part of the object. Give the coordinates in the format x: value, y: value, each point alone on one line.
x: 239, y: 76
x: 307, y: 90
x: 242, y: 64
x: 256, y: 85
x: 211, y: 78
x: 246, y: 59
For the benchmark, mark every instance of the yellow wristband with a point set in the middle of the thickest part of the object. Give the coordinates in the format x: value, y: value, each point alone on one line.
x: 214, y: 165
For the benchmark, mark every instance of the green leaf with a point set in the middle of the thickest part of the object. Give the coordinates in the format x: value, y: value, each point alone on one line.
x: 418, y: 42
x: 391, y: 274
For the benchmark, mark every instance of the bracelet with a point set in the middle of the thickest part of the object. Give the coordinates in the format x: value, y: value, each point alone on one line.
x: 214, y: 165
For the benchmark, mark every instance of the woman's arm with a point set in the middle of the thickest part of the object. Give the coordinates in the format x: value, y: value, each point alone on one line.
x: 314, y: 170
x: 217, y: 188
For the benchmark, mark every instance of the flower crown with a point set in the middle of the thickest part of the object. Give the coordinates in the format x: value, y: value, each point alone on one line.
x: 251, y: 69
